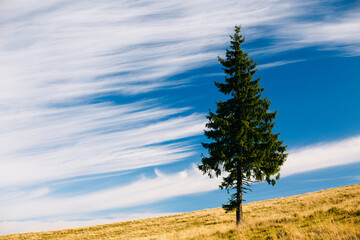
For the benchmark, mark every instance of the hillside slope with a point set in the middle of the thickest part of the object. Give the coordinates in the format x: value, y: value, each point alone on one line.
x: 328, y: 214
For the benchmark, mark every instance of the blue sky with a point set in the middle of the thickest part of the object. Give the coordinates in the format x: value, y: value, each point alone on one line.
x: 104, y: 102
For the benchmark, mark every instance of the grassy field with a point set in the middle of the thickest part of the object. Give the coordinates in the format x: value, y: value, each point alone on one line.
x: 329, y: 214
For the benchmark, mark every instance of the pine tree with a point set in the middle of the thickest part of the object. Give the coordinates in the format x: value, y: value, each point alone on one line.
x: 244, y: 148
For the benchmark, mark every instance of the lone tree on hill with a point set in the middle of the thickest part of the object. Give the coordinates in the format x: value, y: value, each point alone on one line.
x: 244, y: 145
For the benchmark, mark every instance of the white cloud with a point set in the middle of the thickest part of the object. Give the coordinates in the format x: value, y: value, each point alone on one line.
x: 147, y: 190
x: 338, y: 32
x: 322, y: 155
x: 18, y: 206
x: 56, y: 57
x: 36, y: 226
x: 90, y: 140
x: 142, y: 191
x: 278, y: 63
x: 63, y: 53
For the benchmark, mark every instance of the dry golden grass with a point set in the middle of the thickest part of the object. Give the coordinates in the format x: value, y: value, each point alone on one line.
x: 330, y: 214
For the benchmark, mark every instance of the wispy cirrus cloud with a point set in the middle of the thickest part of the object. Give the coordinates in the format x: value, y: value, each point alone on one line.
x: 337, y: 32
x: 19, y: 206
x: 143, y: 191
x: 322, y: 155
x: 278, y: 63
x: 164, y: 186
x: 95, y: 139
x: 56, y: 58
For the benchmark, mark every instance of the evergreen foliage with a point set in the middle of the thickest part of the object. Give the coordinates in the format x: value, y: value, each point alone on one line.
x: 244, y: 145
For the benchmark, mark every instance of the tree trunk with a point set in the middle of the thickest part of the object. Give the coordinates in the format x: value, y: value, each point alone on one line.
x: 239, y: 213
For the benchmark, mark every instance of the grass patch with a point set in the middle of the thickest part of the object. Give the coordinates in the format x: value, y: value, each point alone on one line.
x: 329, y: 214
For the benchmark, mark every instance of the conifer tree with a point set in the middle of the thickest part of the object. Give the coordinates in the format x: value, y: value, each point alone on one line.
x: 243, y: 148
